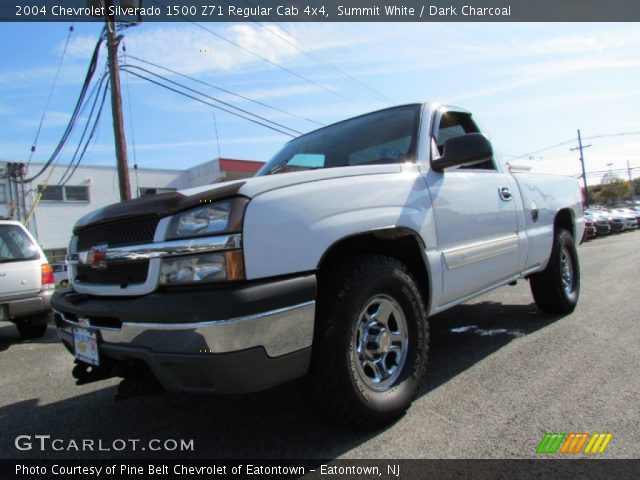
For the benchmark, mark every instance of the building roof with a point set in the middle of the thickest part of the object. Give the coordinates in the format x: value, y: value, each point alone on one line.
x: 233, y: 165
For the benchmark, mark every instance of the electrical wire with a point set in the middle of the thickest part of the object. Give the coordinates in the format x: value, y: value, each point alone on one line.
x: 96, y: 123
x: 133, y: 136
x: 318, y: 59
x: 264, y: 59
x: 229, y: 92
x: 53, y: 86
x: 567, y: 142
x: 99, y: 87
x: 74, y: 116
x: 209, y: 104
x: 262, y: 119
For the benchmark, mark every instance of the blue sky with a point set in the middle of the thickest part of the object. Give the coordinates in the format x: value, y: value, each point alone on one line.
x: 531, y: 85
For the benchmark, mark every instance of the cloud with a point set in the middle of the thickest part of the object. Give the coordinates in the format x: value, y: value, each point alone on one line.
x: 532, y: 74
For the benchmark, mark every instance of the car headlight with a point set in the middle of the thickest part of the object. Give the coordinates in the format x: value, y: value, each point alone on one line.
x: 209, y: 219
x: 209, y: 267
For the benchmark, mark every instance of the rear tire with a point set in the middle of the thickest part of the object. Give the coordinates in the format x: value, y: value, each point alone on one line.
x: 370, y: 342
x: 32, y: 327
x: 556, y: 289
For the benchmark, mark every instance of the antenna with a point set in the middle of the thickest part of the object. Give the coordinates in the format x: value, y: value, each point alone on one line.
x: 215, y: 126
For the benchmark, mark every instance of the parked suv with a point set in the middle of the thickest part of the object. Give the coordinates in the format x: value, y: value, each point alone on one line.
x: 26, y: 281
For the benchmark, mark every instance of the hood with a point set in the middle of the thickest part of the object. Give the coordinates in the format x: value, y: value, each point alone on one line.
x: 164, y: 204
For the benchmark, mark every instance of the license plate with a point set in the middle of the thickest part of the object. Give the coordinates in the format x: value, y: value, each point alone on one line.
x: 86, y: 346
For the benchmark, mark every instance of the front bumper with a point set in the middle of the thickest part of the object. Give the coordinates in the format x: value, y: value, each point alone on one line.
x: 223, y: 339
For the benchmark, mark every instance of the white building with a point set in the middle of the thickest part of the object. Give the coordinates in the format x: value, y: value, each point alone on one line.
x: 92, y: 187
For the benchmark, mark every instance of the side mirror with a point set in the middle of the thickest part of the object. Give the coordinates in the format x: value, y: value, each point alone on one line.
x: 465, y: 149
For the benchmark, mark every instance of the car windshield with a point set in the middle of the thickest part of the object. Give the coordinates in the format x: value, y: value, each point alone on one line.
x: 15, y: 245
x: 387, y: 136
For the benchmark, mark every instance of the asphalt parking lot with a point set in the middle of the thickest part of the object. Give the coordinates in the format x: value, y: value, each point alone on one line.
x: 501, y: 376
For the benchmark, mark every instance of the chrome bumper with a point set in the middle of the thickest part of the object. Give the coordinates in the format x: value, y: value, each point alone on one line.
x: 279, y: 332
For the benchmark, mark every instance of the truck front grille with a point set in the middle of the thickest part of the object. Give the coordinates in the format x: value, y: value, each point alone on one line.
x: 115, y: 274
x: 132, y: 231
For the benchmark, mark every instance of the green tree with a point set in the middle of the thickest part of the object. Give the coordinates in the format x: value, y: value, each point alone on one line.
x: 612, y: 192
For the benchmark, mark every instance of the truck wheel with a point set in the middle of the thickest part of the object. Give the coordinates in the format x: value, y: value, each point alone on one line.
x: 557, y: 287
x: 370, y: 342
x: 32, y: 327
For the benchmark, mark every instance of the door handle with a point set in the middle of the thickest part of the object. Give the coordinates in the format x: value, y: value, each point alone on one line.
x: 505, y: 193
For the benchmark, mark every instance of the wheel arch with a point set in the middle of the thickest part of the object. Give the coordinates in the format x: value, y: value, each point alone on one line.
x: 402, y: 243
x: 565, y: 219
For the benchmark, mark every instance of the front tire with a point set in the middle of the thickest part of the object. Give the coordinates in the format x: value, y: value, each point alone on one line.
x: 370, y: 342
x: 556, y: 289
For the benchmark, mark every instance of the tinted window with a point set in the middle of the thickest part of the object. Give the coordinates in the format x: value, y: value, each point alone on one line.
x: 51, y: 193
x: 15, y: 245
x: 387, y: 136
x: 76, y: 194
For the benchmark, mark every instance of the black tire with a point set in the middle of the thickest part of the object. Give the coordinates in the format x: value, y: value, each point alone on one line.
x: 64, y: 283
x: 556, y: 289
x: 340, y: 383
x: 30, y: 328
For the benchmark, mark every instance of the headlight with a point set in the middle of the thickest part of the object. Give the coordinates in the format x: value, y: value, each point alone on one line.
x: 210, y: 267
x: 210, y: 219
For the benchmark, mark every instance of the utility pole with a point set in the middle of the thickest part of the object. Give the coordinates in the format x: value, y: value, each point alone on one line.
x: 631, y: 184
x: 116, y: 104
x: 584, y: 173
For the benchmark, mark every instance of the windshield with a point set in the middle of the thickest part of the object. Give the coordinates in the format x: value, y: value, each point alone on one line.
x: 387, y: 136
x: 15, y: 245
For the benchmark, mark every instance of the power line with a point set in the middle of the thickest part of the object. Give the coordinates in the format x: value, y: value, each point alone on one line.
x: 133, y: 137
x: 318, y: 59
x: 567, y: 142
x: 74, y: 116
x: 53, y: 86
x: 210, y: 97
x: 96, y: 122
x: 98, y: 87
x: 209, y: 104
x: 93, y: 94
x: 257, y: 102
x: 264, y: 59
x: 614, y: 170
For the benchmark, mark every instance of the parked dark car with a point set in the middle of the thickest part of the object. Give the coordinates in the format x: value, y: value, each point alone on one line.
x: 602, y: 225
x: 590, y: 230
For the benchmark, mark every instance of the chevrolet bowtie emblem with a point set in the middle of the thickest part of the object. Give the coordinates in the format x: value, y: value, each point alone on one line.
x: 97, y: 257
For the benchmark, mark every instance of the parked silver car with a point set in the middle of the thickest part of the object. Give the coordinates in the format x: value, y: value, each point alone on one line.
x: 26, y: 281
x: 630, y: 221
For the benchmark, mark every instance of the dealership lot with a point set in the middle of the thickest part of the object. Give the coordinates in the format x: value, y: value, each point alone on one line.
x: 501, y: 376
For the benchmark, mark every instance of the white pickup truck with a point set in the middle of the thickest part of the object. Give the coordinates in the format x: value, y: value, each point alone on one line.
x: 326, y: 265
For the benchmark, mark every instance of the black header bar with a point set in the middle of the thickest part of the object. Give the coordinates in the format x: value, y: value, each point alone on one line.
x: 322, y: 10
